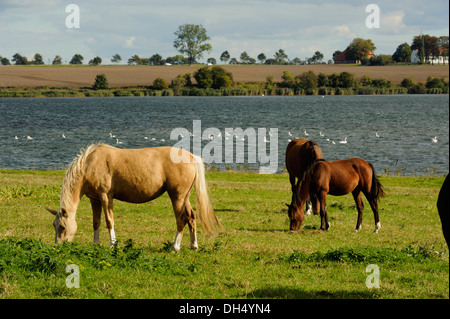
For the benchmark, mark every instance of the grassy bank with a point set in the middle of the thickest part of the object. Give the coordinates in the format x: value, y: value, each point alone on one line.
x: 254, y: 257
x: 242, y: 89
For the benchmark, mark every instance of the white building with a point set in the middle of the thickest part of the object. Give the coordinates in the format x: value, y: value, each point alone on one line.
x: 431, y: 60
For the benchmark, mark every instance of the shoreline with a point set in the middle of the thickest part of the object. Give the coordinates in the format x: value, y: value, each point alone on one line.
x: 43, y: 92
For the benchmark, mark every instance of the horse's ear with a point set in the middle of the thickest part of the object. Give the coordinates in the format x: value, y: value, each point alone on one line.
x: 288, y: 205
x: 54, y: 212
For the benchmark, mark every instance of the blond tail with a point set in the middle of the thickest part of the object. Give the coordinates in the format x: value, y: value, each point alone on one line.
x: 204, y: 208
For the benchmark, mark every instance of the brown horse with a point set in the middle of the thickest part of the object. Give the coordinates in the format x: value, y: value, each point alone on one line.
x: 301, y: 154
x: 104, y: 173
x: 443, y: 208
x: 340, y: 178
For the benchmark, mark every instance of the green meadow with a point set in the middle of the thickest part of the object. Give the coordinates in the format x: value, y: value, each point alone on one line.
x: 255, y: 256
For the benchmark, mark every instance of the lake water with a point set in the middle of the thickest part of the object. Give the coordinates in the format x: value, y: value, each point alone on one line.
x: 405, y: 124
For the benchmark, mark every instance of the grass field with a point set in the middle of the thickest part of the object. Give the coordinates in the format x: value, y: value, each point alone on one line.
x: 126, y: 75
x: 254, y: 257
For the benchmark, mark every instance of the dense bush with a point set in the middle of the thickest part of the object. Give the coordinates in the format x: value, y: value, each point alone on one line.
x: 160, y: 84
x: 216, y: 78
x: 101, y: 82
x: 437, y: 83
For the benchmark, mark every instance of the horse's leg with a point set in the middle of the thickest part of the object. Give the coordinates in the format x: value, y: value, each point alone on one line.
x: 96, y: 218
x: 359, y: 206
x: 179, y: 209
x: 374, y: 205
x: 107, y: 203
x: 324, y: 224
x: 191, y: 223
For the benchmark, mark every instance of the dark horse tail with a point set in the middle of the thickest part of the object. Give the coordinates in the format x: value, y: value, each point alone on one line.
x: 376, y: 191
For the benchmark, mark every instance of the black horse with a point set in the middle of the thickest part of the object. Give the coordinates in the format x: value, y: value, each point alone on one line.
x: 443, y: 208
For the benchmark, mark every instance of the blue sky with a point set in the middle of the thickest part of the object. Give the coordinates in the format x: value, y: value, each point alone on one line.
x: 146, y: 27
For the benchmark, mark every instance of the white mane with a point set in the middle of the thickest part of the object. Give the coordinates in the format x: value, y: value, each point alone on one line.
x: 75, y: 170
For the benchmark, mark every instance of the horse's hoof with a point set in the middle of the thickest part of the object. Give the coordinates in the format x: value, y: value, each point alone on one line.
x: 175, y: 250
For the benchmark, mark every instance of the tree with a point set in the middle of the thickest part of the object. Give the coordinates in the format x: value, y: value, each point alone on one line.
x: 57, y: 60
x: 296, y: 61
x: 234, y: 61
x: 37, y: 59
x: 203, y: 77
x: 424, y: 44
x: 443, y: 43
x: 288, y: 79
x: 5, y: 61
x: 160, y: 84
x: 191, y: 40
x: 155, y: 59
x: 177, y: 59
x: 336, y: 53
x: 116, y: 58
x: 101, y: 82
x: 19, y: 59
x: 317, y: 57
x: 216, y: 77
x: 221, y: 78
x: 280, y: 56
x: 262, y: 58
x: 211, y: 61
x: 346, y: 80
x: 402, y: 53
x: 77, y: 59
x: 322, y: 80
x: 307, y: 81
x: 359, y: 48
x: 95, y: 61
x: 246, y: 59
x: 225, y: 56
x: 135, y: 59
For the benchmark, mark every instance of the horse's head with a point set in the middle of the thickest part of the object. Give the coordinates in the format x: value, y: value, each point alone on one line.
x: 296, y: 217
x: 65, y: 225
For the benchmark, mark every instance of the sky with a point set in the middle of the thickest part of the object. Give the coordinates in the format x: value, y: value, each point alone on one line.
x: 146, y: 27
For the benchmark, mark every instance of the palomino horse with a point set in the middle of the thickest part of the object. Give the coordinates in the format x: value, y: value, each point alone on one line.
x: 443, y: 208
x: 340, y: 178
x: 104, y: 173
x: 301, y: 155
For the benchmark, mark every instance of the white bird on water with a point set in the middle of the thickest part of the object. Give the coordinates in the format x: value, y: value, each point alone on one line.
x: 63, y: 136
x: 29, y: 137
x: 376, y: 134
x: 321, y: 134
x: 306, y: 133
x: 16, y: 138
x: 434, y: 140
x: 118, y: 142
x: 344, y: 141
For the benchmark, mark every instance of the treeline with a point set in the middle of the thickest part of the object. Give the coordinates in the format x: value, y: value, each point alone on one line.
x: 215, y: 81
x: 347, y: 83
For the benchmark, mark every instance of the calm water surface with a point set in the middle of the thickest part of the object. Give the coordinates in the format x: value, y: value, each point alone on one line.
x: 405, y: 124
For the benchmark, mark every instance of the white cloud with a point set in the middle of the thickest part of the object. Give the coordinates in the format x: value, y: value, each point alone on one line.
x: 392, y: 22
x: 146, y: 27
x: 129, y: 42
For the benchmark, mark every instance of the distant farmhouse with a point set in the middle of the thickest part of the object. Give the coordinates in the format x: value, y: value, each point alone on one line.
x: 441, y: 59
x: 342, y: 58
